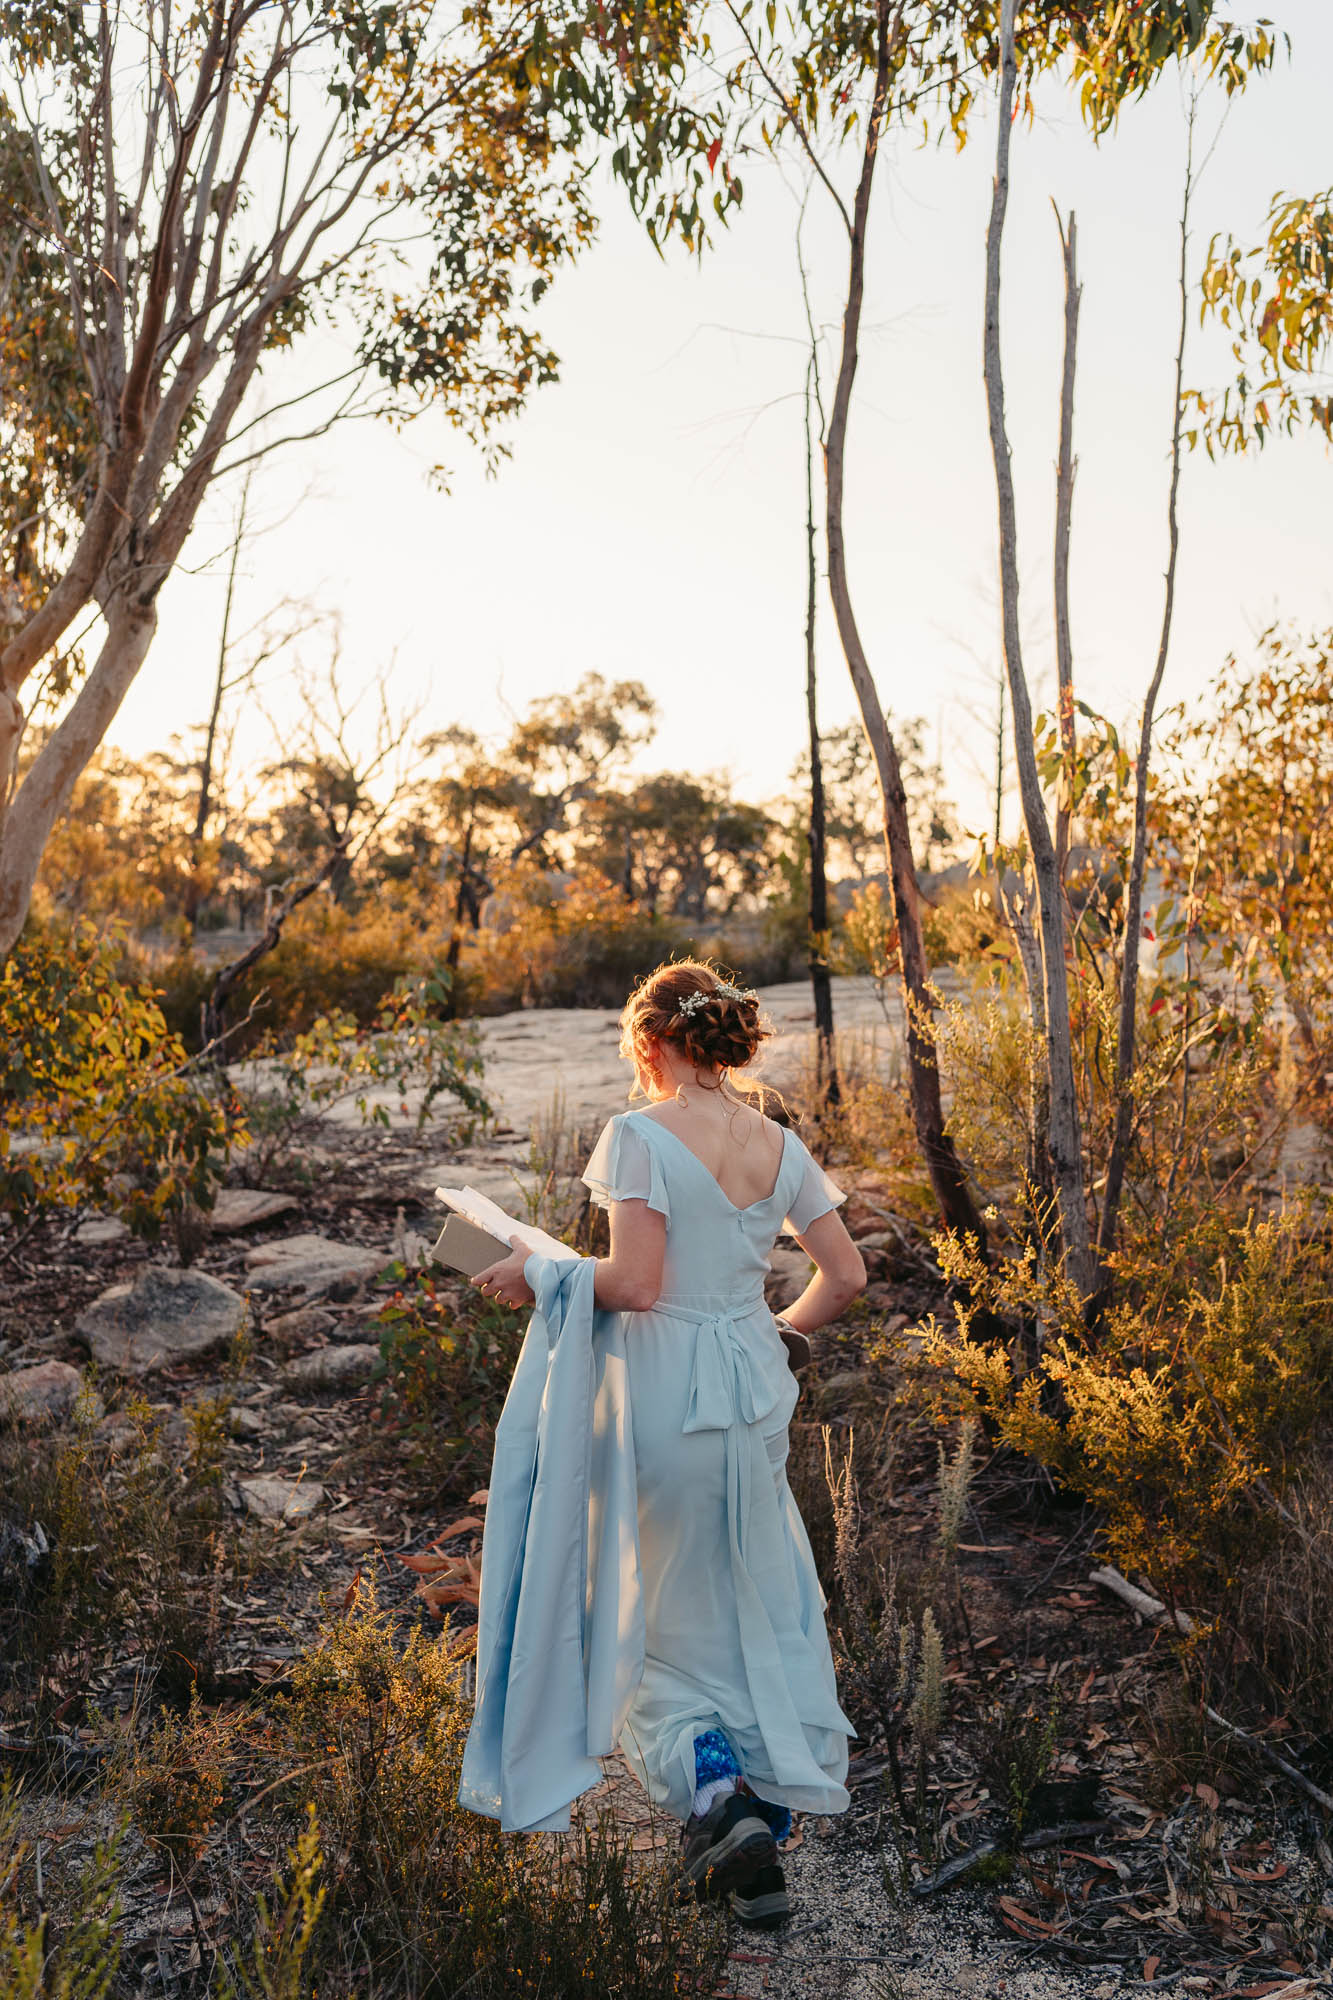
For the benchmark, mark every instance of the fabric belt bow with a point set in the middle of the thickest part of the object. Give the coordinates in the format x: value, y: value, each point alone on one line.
x: 725, y: 1385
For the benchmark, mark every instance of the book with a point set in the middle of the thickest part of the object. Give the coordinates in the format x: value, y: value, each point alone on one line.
x: 461, y: 1246
x: 488, y: 1218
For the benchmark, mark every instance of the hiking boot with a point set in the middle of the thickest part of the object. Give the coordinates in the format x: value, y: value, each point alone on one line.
x: 728, y: 1847
x: 762, y: 1903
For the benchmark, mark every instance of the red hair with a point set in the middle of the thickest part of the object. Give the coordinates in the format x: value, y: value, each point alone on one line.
x: 722, y: 1030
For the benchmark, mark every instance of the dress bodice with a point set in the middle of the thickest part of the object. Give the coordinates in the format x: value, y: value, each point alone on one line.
x: 717, y: 1254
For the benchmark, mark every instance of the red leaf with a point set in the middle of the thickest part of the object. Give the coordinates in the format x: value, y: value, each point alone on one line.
x: 713, y: 152
x: 457, y: 1528
x: 1157, y: 1005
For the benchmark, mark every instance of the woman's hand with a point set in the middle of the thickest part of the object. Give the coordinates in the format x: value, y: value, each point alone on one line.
x: 505, y: 1281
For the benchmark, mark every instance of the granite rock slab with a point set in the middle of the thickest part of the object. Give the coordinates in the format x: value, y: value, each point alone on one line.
x: 313, y: 1264
x: 163, y: 1317
x: 245, y: 1208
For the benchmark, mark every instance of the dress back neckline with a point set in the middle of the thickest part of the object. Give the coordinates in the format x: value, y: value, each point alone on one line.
x: 737, y: 1207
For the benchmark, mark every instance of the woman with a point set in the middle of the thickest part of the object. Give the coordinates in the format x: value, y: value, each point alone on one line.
x: 736, y: 1719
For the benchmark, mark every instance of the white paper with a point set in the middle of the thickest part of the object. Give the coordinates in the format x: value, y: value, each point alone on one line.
x: 489, y: 1215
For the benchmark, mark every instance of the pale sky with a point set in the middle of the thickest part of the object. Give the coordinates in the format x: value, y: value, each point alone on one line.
x: 650, y: 522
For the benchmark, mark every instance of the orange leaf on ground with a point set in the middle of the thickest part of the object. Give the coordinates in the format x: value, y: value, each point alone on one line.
x: 1150, y: 1966
x: 1010, y: 1910
x: 479, y: 1498
x: 436, y: 1595
x: 457, y: 1528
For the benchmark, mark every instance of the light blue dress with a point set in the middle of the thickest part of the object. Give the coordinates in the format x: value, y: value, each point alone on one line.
x: 733, y: 1615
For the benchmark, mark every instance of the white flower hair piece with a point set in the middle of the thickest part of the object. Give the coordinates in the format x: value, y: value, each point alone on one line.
x: 701, y: 995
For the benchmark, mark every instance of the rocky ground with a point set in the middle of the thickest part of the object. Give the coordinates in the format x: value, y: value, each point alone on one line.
x: 1157, y: 1883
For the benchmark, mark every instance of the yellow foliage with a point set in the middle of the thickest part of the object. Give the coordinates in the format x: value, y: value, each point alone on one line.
x: 97, y: 1099
x: 1189, y: 1412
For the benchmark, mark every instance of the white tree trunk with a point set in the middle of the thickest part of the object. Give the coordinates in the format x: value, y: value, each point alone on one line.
x: 48, y: 786
x: 1064, y: 1135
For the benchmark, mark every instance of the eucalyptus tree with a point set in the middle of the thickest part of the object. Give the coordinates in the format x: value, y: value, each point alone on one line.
x: 824, y: 80
x: 1276, y: 299
x: 191, y: 196
x: 1231, y: 55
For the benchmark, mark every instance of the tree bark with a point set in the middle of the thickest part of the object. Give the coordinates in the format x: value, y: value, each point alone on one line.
x: 1064, y: 1136
x: 1129, y: 964
x: 821, y: 986
x: 49, y: 784
x: 947, y: 1178
x: 1064, y: 506
x: 204, y: 808
x: 214, y: 1011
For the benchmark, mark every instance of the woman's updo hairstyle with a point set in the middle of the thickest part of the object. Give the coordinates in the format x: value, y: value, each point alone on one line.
x: 696, y: 1008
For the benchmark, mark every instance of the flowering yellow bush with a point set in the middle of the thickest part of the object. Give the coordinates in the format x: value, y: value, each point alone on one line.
x: 1191, y: 1412
x: 98, y: 1098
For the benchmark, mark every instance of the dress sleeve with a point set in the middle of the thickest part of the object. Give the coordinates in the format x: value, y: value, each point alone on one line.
x: 815, y: 1195
x: 624, y: 1167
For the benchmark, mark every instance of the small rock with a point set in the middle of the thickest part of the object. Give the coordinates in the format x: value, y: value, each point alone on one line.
x: 45, y: 1394
x: 243, y: 1208
x: 837, y: 1385
x: 246, y: 1423
x: 877, y: 1239
x: 101, y: 1229
x: 314, y: 1263
x: 270, y: 1497
x: 304, y: 1323
x: 788, y: 1264
x: 334, y: 1367
x: 165, y: 1316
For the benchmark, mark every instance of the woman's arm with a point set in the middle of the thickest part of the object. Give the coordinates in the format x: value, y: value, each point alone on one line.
x: 840, y: 1273
x: 629, y: 1280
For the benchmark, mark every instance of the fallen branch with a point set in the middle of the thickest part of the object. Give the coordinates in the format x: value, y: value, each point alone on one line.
x: 1147, y: 1606
x: 1030, y: 1843
x: 1299, y: 1778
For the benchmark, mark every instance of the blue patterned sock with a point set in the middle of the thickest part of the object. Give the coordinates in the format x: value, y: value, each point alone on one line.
x: 716, y: 1770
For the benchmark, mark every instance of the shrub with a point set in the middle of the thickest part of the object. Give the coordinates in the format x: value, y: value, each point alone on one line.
x: 98, y: 1099
x: 73, y: 1952
x: 1193, y: 1410
x: 576, y: 944
x: 868, y: 941
x: 110, y: 1537
x: 175, y: 1782
x: 273, y: 1965
x: 445, y: 1372
x: 409, y: 1048
x: 427, y: 1899
x: 961, y: 926
x: 330, y: 959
